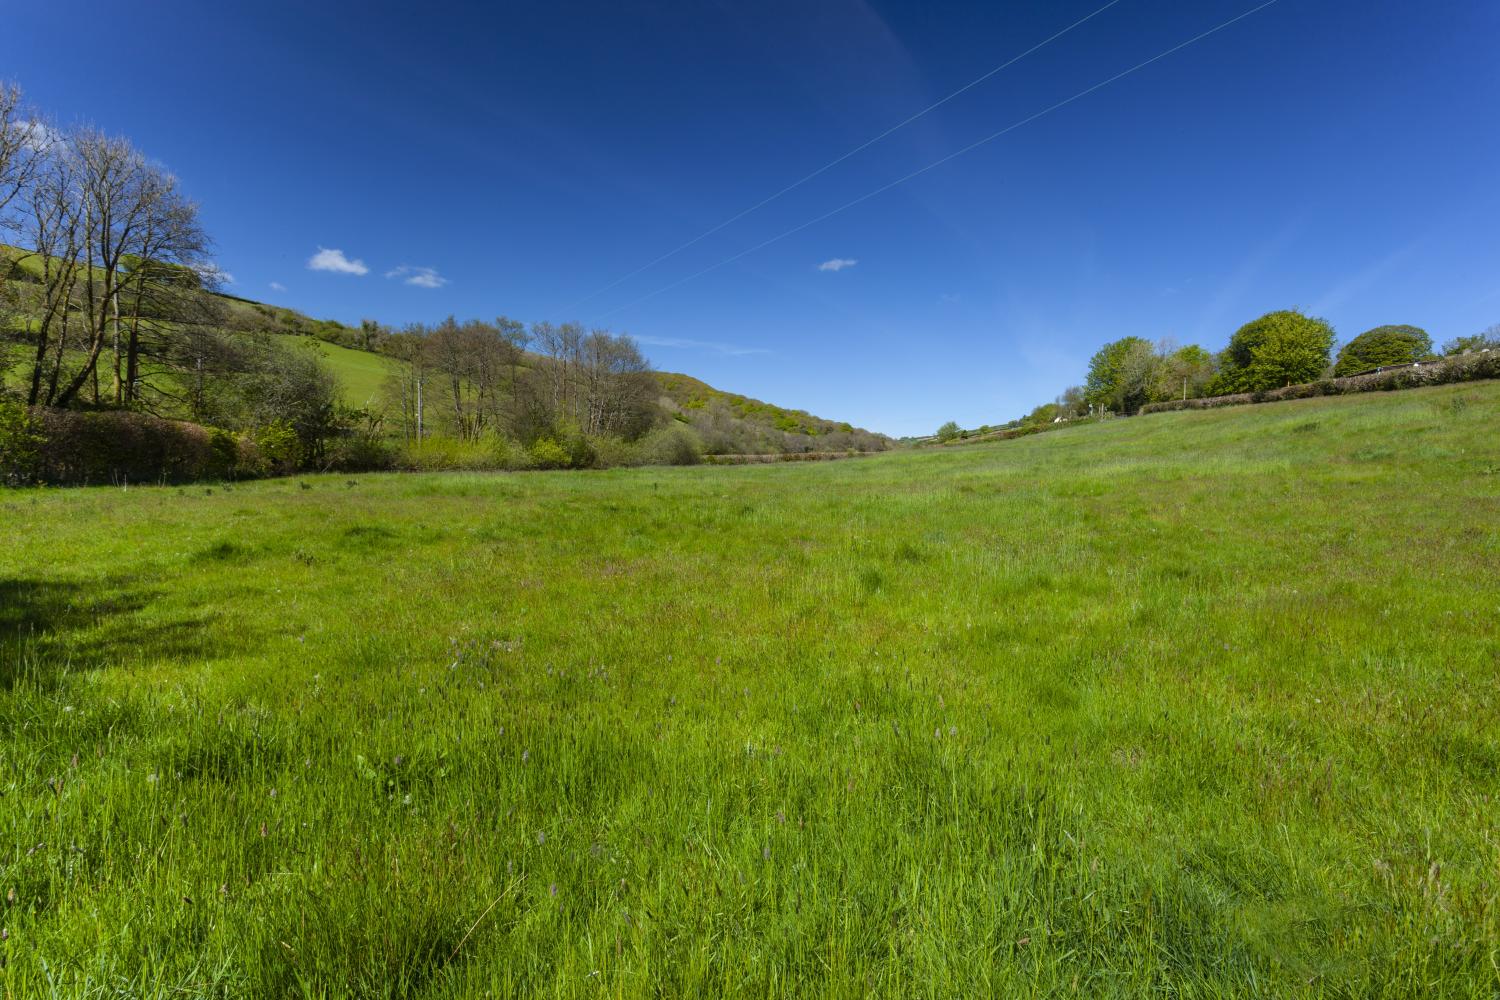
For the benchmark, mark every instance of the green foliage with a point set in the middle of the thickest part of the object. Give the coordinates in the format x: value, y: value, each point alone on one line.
x: 671, y: 445
x: 548, y: 453
x: 280, y: 446
x: 20, y: 444
x: 1278, y: 349
x: 1044, y: 414
x: 1117, y: 379
x: 948, y: 432
x: 1384, y: 345
x: 1186, y: 370
x: 441, y: 453
x: 1489, y: 340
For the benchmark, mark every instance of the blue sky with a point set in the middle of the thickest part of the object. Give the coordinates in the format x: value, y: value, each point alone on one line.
x: 1337, y: 156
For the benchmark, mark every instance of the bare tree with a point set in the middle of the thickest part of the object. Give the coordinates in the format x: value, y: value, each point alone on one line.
x: 53, y: 228
x: 615, y: 385
x: 119, y: 192
x: 164, y: 280
x: 24, y: 139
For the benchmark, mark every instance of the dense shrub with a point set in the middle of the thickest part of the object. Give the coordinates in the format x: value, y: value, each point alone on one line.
x: 360, y: 452
x: 671, y: 445
x: 447, y: 454
x: 1384, y: 345
x: 547, y: 453
x: 1463, y: 368
x: 20, y: 444
x: 279, y: 447
x: 122, y: 447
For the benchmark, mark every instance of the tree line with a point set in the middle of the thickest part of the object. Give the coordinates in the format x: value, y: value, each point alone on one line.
x: 1279, y: 349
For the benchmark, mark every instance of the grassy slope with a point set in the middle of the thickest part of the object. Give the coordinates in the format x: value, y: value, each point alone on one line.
x: 691, y: 393
x: 1193, y: 704
x: 361, y: 374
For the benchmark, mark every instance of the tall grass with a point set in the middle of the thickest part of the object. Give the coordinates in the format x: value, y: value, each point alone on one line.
x: 1198, y: 704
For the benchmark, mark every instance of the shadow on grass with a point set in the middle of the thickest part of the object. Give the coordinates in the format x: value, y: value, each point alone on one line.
x: 52, y: 627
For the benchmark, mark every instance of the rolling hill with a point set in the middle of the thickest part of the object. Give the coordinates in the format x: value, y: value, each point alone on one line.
x: 362, y: 374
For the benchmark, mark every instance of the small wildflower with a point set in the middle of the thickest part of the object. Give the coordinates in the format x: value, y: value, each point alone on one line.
x: 525, y: 755
x: 541, y: 837
x: 152, y: 777
x: 552, y: 889
x: 765, y: 853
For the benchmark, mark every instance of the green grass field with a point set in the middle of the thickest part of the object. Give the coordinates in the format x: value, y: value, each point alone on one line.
x: 361, y: 375
x: 1189, y: 705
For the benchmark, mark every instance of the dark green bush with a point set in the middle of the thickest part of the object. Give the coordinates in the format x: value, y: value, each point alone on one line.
x: 121, y: 447
x: 1384, y: 345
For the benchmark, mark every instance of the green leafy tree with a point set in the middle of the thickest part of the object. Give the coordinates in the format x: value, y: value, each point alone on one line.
x: 1489, y: 340
x: 1119, y: 374
x: 1281, y: 348
x: 1184, y: 372
x: 1384, y: 345
x: 948, y: 431
x: 1044, y: 414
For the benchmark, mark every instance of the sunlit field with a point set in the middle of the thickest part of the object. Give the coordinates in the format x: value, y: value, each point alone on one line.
x: 1190, y: 705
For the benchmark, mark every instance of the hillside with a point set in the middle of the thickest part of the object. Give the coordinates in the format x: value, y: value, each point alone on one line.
x: 732, y: 422
x: 1196, y: 703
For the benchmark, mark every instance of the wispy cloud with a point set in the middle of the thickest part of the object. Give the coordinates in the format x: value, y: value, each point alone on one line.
x: 837, y: 264
x: 277, y: 286
x: 38, y: 136
x: 1369, y: 277
x: 335, y: 261
x: 421, y: 277
x: 711, y: 346
x: 213, y: 274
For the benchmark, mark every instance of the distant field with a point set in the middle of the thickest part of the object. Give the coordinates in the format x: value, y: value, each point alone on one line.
x: 361, y: 375
x: 1188, y: 705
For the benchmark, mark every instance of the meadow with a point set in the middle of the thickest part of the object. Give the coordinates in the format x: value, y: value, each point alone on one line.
x: 1196, y: 704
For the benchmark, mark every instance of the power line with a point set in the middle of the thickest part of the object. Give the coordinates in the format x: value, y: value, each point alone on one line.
x: 835, y: 162
x: 938, y: 163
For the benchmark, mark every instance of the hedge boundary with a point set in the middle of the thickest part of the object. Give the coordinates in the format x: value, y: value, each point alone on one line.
x: 80, y: 448
x: 1462, y: 368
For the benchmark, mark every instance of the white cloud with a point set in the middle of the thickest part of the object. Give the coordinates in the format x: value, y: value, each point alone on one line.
x: 837, y: 264
x: 37, y: 136
x: 421, y: 277
x: 277, y: 286
x: 702, y: 345
x: 213, y: 274
x: 335, y: 261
